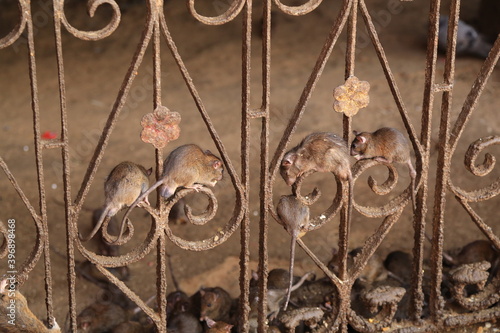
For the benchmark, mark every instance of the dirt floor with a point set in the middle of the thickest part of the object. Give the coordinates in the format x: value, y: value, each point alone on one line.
x: 94, y: 72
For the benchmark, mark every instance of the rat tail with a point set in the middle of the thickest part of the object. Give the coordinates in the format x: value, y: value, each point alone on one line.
x: 104, y: 214
x: 413, y: 176
x: 292, y: 256
x: 132, y: 206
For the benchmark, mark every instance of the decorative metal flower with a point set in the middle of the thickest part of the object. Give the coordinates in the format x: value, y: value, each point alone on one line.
x: 351, y: 96
x: 160, y: 127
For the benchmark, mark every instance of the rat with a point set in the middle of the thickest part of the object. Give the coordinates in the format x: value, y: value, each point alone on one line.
x: 387, y: 145
x: 294, y: 217
x: 399, y: 265
x: 216, y: 304
x: 126, y: 182
x: 278, y: 278
x: 100, y: 317
x: 321, y: 152
x: 20, y: 318
x: 218, y: 327
x: 186, y: 166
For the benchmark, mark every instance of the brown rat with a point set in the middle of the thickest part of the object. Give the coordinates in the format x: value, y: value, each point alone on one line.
x: 321, y: 152
x: 15, y: 315
x: 399, y: 264
x: 387, y: 145
x: 294, y: 216
x: 125, y: 183
x: 279, y: 278
x: 474, y: 252
x: 218, y: 327
x: 216, y: 304
x: 186, y: 166
x: 100, y: 317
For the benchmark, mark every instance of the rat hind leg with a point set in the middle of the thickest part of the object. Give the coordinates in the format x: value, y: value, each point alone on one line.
x: 382, y: 159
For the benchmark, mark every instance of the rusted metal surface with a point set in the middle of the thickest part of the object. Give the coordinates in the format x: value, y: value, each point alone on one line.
x: 383, y: 300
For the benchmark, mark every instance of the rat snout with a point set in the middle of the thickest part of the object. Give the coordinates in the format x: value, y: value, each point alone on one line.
x: 354, y: 153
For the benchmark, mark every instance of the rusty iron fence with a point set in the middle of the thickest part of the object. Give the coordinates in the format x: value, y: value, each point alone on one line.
x: 476, y: 308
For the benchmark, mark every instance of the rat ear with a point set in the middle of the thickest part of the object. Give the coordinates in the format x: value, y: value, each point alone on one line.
x: 217, y: 164
x: 149, y: 171
x: 355, y: 132
x: 362, y: 139
x: 208, y: 152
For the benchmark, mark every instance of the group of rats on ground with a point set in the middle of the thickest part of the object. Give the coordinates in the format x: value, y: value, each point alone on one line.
x: 212, y: 309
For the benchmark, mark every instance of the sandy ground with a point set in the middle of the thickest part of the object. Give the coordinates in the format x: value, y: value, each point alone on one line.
x: 94, y: 72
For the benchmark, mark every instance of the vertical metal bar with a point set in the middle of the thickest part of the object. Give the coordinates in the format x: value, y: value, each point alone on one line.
x: 436, y: 302
x: 161, y: 257
x: 265, y: 195
x: 344, y: 227
x: 245, y: 160
x: 350, y: 60
x: 69, y: 215
x: 422, y: 165
x: 350, y: 57
x: 39, y: 166
x: 161, y: 282
x: 349, y: 71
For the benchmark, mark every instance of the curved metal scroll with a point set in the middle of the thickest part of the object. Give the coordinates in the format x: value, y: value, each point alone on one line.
x: 92, y: 6
x: 12, y: 36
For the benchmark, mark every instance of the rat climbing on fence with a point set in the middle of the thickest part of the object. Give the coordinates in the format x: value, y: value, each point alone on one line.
x: 386, y: 145
x: 186, y: 166
x: 126, y: 182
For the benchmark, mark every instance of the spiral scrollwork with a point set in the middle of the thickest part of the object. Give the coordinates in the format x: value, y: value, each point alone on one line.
x: 92, y: 6
x: 125, y: 238
x: 209, y: 212
x: 311, y: 198
x: 386, y: 187
x: 303, y: 9
x: 208, y: 215
x: 472, y: 154
x: 12, y: 36
x: 233, y: 11
x: 481, y: 170
x: 134, y: 255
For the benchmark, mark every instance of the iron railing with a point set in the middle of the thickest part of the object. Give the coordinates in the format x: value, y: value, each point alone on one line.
x: 477, y: 308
